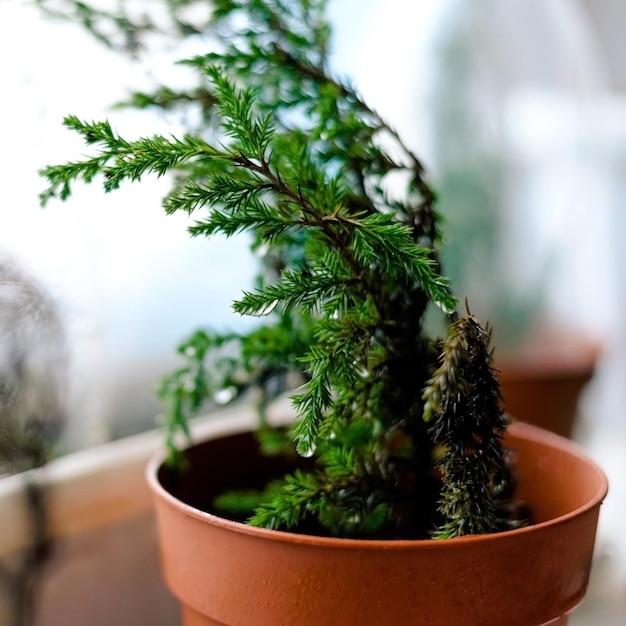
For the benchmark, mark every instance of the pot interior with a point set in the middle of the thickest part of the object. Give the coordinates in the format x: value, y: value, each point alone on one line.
x: 554, y: 477
x: 220, y: 465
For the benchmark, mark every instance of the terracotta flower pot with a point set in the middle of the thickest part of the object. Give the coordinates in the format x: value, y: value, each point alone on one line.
x: 543, y: 388
x: 225, y: 572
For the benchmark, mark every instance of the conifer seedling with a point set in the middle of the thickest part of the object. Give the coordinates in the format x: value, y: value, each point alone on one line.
x: 405, y: 428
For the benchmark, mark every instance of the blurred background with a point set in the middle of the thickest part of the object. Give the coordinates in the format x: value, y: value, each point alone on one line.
x: 517, y: 109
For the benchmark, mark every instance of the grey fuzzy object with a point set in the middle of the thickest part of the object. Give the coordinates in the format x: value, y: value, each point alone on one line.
x: 33, y: 363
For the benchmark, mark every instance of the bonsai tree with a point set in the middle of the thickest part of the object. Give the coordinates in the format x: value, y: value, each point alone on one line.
x: 405, y: 428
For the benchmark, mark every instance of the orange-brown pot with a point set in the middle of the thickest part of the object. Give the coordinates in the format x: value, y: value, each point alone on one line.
x: 225, y: 572
x: 544, y: 388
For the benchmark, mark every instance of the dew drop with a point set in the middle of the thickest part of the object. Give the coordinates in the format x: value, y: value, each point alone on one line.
x: 268, y: 308
x: 309, y: 452
x: 187, y: 383
x: 446, y: 309
x: 224, y: 396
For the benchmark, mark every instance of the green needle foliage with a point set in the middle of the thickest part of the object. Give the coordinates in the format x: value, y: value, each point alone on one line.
x: 406, y: 435
x: 465, y: 420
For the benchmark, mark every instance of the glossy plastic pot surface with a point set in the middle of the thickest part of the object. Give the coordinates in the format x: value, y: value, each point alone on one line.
x: 228, y: 573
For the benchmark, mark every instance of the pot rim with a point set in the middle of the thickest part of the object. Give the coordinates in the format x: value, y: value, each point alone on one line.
x: 518, y: 429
